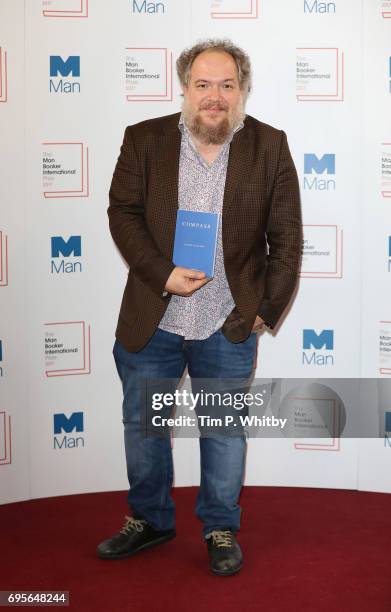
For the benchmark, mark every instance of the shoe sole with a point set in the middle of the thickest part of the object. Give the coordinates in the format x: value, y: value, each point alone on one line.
x: 161, y: 540
x: 230, y: 573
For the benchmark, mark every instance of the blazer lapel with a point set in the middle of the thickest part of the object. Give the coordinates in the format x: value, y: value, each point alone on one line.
x: 238, y: 166
x: 168, y: 162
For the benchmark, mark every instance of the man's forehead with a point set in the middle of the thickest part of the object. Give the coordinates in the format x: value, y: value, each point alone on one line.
x: 214, y: 62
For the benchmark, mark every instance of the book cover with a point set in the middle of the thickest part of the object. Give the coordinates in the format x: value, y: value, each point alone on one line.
x: 196, y: 240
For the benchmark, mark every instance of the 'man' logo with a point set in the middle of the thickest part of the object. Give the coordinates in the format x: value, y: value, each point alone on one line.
x: 66, y: 248
x: 315, y: 6
x: 315, y: 166
x: 68, y: 67
x: 1, y: 350
x: 142, y: 6
x: 64, y: 68
x: 64, y: 424
x: 318, y: 341
x: 319, y: 165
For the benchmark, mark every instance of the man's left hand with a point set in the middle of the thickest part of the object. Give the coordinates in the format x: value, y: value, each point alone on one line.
x: 258, y: 324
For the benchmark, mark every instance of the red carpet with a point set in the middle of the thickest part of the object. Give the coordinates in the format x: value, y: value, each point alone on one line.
x: 305, y: 550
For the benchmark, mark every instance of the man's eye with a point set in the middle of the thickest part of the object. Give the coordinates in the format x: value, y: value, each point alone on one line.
x: 228, y: 86
x: 201, y: 86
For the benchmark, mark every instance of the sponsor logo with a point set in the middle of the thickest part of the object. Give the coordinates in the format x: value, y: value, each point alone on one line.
x: 69, y: 67
x: 148, y: 8
x: 317, y: 347
x: 315, y: 166
x: 67, y: 348
x: 3, y: 259
x: 320, y: 74
x: 322, y: 251
x: 389, y: 254
x: 385, y: 347
x: 65, y: 170
x: 65, y: 8
x: 1, y: 359
x: 148, y: 74
x: 386, y: 170
x: 3, y: 75
x: 63, y: 425
x: 234, y: 9
x: 64, y: 254
x: 322, y: 8
x: 5, y: 438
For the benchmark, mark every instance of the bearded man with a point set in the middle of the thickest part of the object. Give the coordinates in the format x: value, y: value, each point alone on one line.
x: 210, y: 158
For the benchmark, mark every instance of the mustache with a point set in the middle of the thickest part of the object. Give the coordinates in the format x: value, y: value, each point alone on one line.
x: 211, y: 104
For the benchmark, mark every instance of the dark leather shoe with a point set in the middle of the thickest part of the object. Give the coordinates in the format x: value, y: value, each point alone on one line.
x: 134, y: 536
x: 225, y: 556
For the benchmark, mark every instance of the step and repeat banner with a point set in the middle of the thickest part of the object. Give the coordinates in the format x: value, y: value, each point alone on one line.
x: 73, y: 75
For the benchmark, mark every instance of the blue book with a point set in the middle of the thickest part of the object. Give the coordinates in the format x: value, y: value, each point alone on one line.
x: 196, y: 240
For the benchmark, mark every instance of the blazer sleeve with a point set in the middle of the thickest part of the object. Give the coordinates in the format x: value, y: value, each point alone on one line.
x: 284, y: 236
x: 127, y: 222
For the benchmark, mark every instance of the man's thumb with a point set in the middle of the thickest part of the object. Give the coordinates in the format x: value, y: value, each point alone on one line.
x: 195, y: 274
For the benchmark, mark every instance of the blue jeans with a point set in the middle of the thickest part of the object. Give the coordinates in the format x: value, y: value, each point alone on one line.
x: 149, y: 459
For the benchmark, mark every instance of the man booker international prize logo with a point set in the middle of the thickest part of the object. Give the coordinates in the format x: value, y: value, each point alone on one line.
x: 3, y: 75
x: 1, y: 359
x: 148, y: 74
x: 320, y: 74
x: 65, y: 170
x: 322, y: 251
x: 313, y: 411
x: 386, y: 170
x: 65, y: 8
x: 385, y: 347
x: 234, y: 9
x: 3, y: 259
x: 67, y: 348
x: 5, y: 438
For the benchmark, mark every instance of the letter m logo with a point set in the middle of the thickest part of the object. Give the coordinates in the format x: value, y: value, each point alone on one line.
x: 66, y: 248
x: 71, y: 66
x: 63, y: 423
x: 319, y: 165
x: 317, y: 341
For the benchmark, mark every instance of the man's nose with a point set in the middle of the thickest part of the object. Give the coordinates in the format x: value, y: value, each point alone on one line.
x: 215, y: 92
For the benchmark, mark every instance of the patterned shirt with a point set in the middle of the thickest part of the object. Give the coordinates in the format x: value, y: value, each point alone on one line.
x: 201, y: 188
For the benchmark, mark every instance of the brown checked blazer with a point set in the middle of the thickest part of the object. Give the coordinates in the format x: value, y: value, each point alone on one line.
x: 261, y: 225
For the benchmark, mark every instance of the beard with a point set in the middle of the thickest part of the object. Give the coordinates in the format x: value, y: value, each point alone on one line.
x: 212, y: 134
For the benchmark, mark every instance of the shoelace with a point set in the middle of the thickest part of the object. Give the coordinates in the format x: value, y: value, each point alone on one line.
x: 222, y: 539
x: 132, y: 524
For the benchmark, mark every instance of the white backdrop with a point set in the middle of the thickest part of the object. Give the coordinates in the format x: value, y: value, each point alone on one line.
x: 321, y: 73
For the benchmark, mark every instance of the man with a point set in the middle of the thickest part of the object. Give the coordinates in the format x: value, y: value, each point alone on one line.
x: 211, y: 158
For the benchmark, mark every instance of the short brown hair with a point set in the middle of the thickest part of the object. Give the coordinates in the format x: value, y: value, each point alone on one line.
x: 242, y: 60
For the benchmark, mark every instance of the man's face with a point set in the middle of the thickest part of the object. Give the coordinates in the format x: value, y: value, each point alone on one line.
x: 213, y: 101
